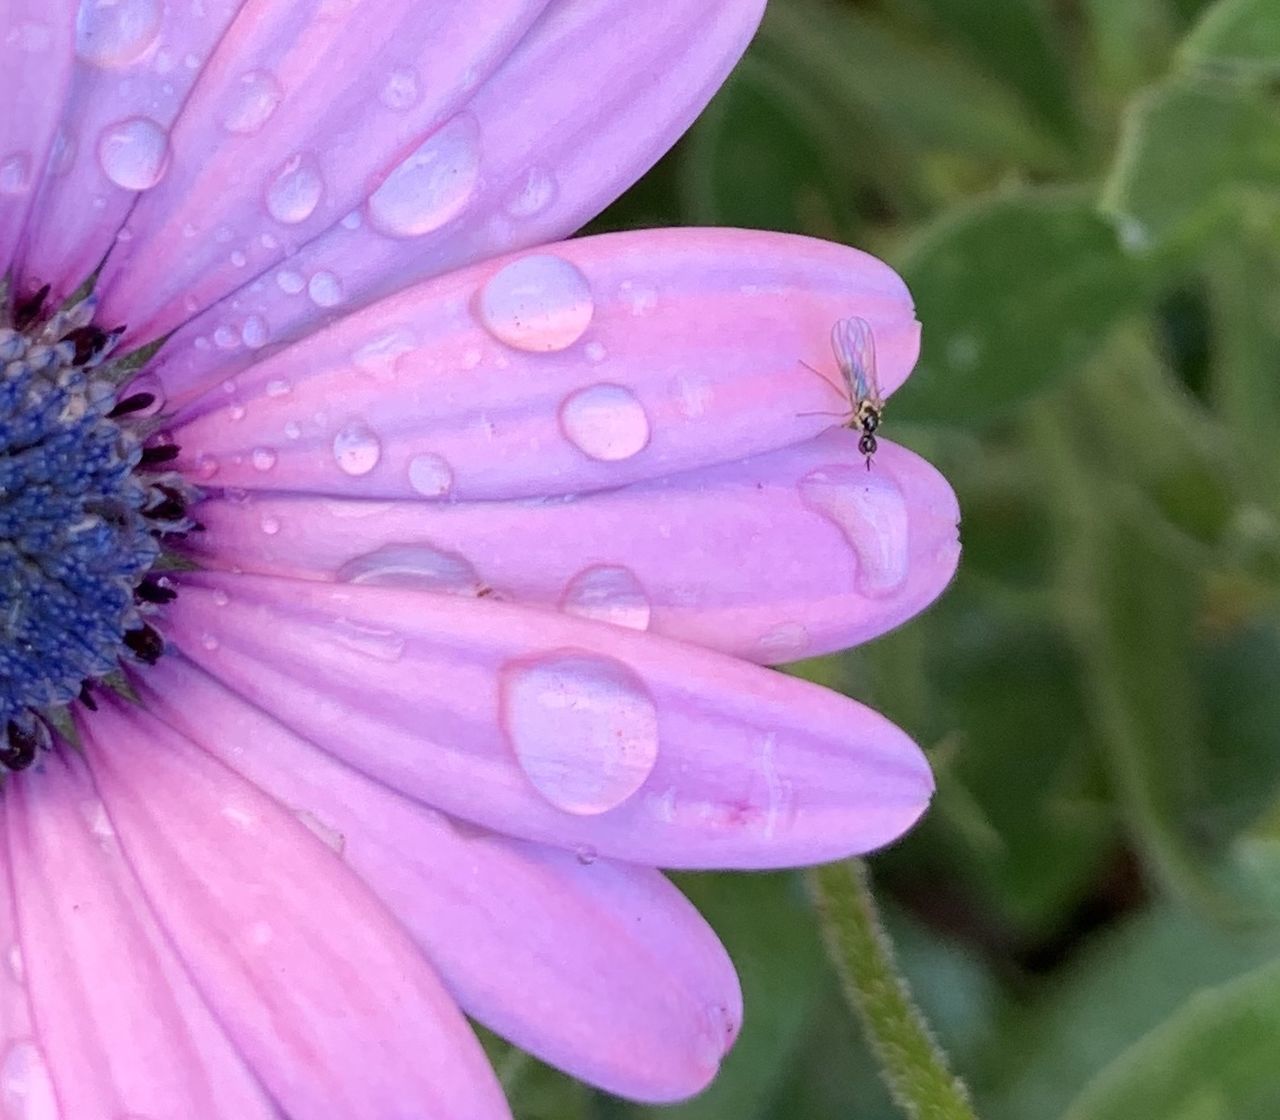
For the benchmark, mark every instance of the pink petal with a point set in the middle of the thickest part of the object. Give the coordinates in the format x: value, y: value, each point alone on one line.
x: 567, y: 123
x: 575, y: 733
x: 136, y: 63
x: 36, y: 53
x: 602, y: 969
x: 627, y: 357
x: 321, y: 990
x: 122, y: 1028
x: 296, y: 118
x: 785, y: 555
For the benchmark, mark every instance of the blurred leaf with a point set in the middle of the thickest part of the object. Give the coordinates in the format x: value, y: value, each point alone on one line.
x: 1013, y: 292
x: 1131, y: 43
x: 1215, y: 1059
x: 1194, y: 151
x: 1237, y: 37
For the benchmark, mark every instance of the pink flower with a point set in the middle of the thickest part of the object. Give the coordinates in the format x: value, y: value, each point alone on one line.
x: 496, y: 540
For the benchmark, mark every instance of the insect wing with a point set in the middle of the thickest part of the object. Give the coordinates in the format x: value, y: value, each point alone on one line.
x: 855, y: 348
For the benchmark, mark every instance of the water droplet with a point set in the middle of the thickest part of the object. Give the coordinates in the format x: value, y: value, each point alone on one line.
x: 378, y: 358
x: 331, y: 837
x: 206, y: 465
x: 134, y: 154
x: 278, y: 387
x: 254, y: 334
x: 605, y: 422
x: 586, y: 854
x: 639, y: 298
x: 263, y: 458
x: 112, y: 33
x: 17, y: 967
x: 595, y: 352
x: 208, y: 642
x: 430, y: 475
x: 868, y: 508
x: 325, y: 289
x: 356, y: 448
x: 15, y: 174
x: 421, y: 567
x: 785, y: 642
x: 539, y: 303
x: 368, y: 641
x: 693, y: 395
x: 26, y: 1089
x: 290, y: 282
x: 226, y: 337
x: 221, y: 598
x: 254, y: 99
x: 608, y: 593
x: 584, y: 729
x: 535, y: 193
x: 294, y: 193
x: 400, y: 91
x: 433, y: 185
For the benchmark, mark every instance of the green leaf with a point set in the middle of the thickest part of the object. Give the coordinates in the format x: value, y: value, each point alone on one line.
x: 1214, y: 1059
x: 1240, y: 38
x: 1014, y: 293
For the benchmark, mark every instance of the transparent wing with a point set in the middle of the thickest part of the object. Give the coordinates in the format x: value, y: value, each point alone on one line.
x: 855, y: 347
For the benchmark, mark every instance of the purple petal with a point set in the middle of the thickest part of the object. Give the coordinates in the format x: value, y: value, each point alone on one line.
x: 602, y: 969
x: 589, y: 364
x: 575, y: 733
x: 323, y: 993
x: 782, y: 556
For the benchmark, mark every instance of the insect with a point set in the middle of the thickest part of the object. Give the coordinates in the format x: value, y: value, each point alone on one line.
x: 855, y: 349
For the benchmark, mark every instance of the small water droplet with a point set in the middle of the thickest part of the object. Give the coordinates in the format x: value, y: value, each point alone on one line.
x: 331, y: 837
x: 595, y: 352
x: 226, y: 337
x: 785, y: 642
x: 295, y: 191
x: 369, y: 641
x: 208, y: 642
x: 431, y: 186
x: 430, y: 475
x: 290, y: 282
x: 26, y: 1089
x: 221, y: 598
x: 263, y: 458
x: 325, y: 289
x: 254, y: 99
x: 292, y: 430
x: 112, y: 33
x: 693, y: 395
x: 356, y: 448
x: 134, y: 153
x: 639, y: 298
x: 254, y: 334
x: 534, y: 193
x: 421, y: 567
x: 278, y: 387
x: 400, y: 91
x: 584, y: 729
x: 378, y: 357
x: 608, y: 593
x: 206, y: 465
x: 15, y: 174
x: 870, y: 511
x: 538, y: 303
x: 17, y: 967
x: 586, y: 854
x: 605, y: 422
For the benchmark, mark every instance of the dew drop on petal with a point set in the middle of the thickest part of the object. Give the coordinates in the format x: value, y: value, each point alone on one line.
x: 294, y: 193
x: 325, y: 289
x: 26, y: 1089
x: 584, y: 729
x: 539, y: 303
x: 270, y: 524
x: 263, y: 458
x: 419, y: 566
x: 112, y: 33
x: 17, y: 967
x: 379, y: 356
x: 290, y: 282
x: 376, y: 642
x: 868, y: 507
x: 134, y: 154
x: 254, y: 332
x: 356, y: 448
x: 785, y: 642
x: 15, y: 174
x: 430, y: 475
x: 433, y: 185
x: 254, y: 98
x: 608, y: 593
x: 533, y: 194
x: 605, y: 422
x: 401, y: 90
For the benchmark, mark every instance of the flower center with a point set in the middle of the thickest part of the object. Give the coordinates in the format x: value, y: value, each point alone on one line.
x: 87, y: 499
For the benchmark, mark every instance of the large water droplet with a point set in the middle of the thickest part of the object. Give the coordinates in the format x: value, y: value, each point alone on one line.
x: 605, y: 422
x: 433, y: 185
x: 113, y: 33
x: 430, y: 475
x: 356, y: 448
x: 869, y: 509
x: 134, y: 154
x: 608, y: 593
x: 254, y: 98
x: 584, y: 729
x: 25, y: 1086
x: 15, y: 174
x: 294, y: 193
x: 539, y: 303
x: 421, y: 567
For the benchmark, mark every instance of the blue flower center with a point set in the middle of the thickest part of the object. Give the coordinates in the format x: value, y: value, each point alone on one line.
x: 87, y: 500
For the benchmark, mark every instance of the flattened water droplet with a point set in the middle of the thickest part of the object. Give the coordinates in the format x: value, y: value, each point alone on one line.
x: 17, y: 967
x: 325, y: 289
x: 608, y: 593
x: 134, y: 153
x: 584, y: 729
x: 290, y: 282
x: 15, y: 174
x: 785, y: 642
x: 430, y: 475
x: 254, y: 99
x: 370, y: 641
x: 539, y: 303
x: 535, y: 192
x: 433, y: 185
x: 869, y: 509
x: 294, y: 193
x: 378, y: 357
x: 254, y: 333
x: 693, y: 395
x: 605, y: 422
x: 330, y: 836
x: 111, y: 33
x: 26, y: 1090
x: 420, y: 566
x: 356, y: 448
x: 264, y: 458
x: 400, y: 91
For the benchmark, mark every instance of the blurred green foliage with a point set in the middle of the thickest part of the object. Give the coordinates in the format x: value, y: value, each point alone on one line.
x: 1085, y: 198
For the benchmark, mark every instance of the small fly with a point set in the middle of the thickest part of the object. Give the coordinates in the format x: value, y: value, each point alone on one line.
x: 855, y: 348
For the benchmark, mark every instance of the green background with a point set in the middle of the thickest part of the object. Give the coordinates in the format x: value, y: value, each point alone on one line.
x: 1084, y: 196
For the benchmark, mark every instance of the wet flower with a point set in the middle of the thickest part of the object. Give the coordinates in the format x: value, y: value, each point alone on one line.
x: 386, y: 585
